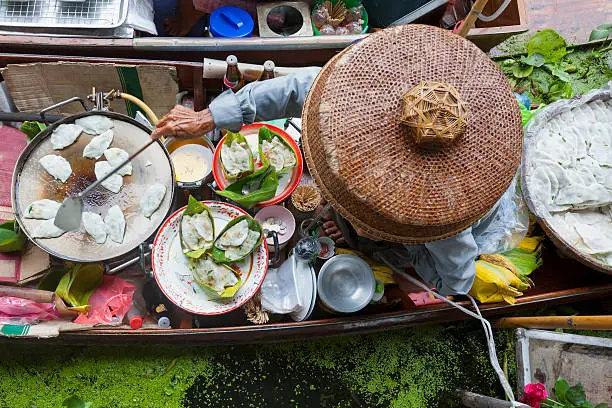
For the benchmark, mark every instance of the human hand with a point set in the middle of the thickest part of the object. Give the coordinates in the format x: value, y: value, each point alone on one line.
x: 182, y: 122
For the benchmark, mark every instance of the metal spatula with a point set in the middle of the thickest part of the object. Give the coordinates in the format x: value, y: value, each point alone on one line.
x: 68, y: 217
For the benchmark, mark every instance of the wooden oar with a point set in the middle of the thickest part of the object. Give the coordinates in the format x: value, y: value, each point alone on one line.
x: 470, y: 19
x: 556, y: 322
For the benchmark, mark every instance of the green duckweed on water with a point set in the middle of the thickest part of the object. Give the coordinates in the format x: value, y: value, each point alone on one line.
x: 418, y: 367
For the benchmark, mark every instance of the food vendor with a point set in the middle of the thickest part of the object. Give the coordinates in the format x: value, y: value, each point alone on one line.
x: 471, y: 178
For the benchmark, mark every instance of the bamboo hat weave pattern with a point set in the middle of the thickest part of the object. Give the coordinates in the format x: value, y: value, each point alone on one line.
x: 371, y: 167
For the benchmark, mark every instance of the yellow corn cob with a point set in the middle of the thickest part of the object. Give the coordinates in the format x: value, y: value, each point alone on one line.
x: 490, y: 287
x: 506, y: 275
x: 500, y: 260
x: 503, y: 262
x: 530, y: 243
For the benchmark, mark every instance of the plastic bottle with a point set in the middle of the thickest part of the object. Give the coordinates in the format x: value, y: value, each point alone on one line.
x: 156, y: 303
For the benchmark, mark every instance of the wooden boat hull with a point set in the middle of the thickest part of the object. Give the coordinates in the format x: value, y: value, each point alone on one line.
x: 559, y: 281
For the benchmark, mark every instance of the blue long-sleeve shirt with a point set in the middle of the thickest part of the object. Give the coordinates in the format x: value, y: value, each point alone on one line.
x: 447, y: 264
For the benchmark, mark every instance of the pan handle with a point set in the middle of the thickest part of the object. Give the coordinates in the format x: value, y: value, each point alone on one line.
x: 60, y: 104
x: 276, y: 248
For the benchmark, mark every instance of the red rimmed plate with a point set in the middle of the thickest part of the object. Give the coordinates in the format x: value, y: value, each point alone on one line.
x: 286, y: 183
x: 171, y: 266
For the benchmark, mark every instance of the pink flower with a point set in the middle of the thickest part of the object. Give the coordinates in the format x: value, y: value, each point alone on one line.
x: 534, y: 394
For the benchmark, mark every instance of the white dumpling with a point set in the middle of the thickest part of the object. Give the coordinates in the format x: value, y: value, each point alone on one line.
x: 47, y: 229
x: 115, y: 224
x: 94, y: 226
x: 218, y: 277
x: 97, y: 145
x: 65, y: 135
x: 152, y: 199
x: 56, y: 166
x: 273, y: 155
x: 115, y: 157
x: 114, y: 182
x: 96, y: 124
x: 235, y: 158
x: 42, y: 209
x: 234, y: 236
x: 196, y: 231
x: 286, y: 153
x: 246, y: 247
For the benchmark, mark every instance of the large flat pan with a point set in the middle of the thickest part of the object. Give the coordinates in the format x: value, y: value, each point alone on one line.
x: 31, y: 182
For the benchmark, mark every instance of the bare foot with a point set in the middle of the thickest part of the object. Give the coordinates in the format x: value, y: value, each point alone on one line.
x: 330, y: 229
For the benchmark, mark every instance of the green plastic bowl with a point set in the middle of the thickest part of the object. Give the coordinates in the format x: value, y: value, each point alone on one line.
x: 349, y: 4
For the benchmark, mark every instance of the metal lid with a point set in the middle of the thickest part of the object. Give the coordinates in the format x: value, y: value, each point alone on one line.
x: 231, y: 22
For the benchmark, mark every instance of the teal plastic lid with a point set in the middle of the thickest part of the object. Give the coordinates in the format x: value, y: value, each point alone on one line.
x: 231, y: 22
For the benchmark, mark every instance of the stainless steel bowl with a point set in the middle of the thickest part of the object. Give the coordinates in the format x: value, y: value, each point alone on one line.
x: 346, y: 284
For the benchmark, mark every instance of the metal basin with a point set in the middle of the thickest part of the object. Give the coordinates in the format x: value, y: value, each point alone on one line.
x: 346, y: 284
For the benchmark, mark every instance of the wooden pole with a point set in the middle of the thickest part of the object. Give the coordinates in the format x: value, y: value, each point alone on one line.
x: 470, y: 20
x: 556, y: 322
x: 473, y: 400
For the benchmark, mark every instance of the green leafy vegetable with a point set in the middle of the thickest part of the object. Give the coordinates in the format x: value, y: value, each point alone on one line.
x: 11, y: 237
x: 266, y: 191
x: 559, y: 90
x: 240, y: 139
x: 522, y: 71
x: 548, y: 43
x: 536, y: 60
x: 219, y: 255
x: 195, y: 207
x: 31, y: 129
x: 601, y: 32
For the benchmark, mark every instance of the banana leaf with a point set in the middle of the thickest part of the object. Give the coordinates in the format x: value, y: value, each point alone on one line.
x: 218, y: 254
x: 77, y: 285
x: 32, y: 129
x: 266, y: 190
x: 227, y: 293
x: 239, y: 138
x: 266, y: 134
x: 195, y: 207
x: 11, y: 237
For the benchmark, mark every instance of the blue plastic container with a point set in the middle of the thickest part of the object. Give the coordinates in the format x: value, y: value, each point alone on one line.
x: 231, y: 22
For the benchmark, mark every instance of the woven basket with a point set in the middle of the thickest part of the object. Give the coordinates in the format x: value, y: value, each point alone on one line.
x: 369, y: 165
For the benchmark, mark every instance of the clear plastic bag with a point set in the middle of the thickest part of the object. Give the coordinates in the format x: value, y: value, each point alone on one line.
x: 278, y: 291
x: 506, y: 226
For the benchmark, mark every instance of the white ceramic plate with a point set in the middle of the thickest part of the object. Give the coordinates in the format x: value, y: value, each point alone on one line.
x: 171, y: 266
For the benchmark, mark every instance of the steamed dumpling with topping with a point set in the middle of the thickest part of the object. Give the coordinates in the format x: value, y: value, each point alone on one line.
x: 94, y: 226
x: 65, y: 135
x: 115, y: 157
x: 152, y: 199
x: 42, y: 209
x: 279, y: 155
x: 115, y: 224
x: 197, y: 231
x: 56, y: 166
x: 214, y: 276
x: 234, y: 236
x: 235, y: 158
x: 114, y: 182
x: 95, y: 124
x: 98, y: 144
x: 237, y: 252
x: 47, y: 229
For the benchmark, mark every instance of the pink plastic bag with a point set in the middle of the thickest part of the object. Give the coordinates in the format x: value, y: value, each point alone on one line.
x: 14, y: 310
x: 109, y: 303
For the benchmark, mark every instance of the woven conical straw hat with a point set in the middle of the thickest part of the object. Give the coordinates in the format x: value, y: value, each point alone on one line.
x: 370, y: 106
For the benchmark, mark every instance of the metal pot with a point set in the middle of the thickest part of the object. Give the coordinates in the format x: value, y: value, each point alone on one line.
x: 31, y: 182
